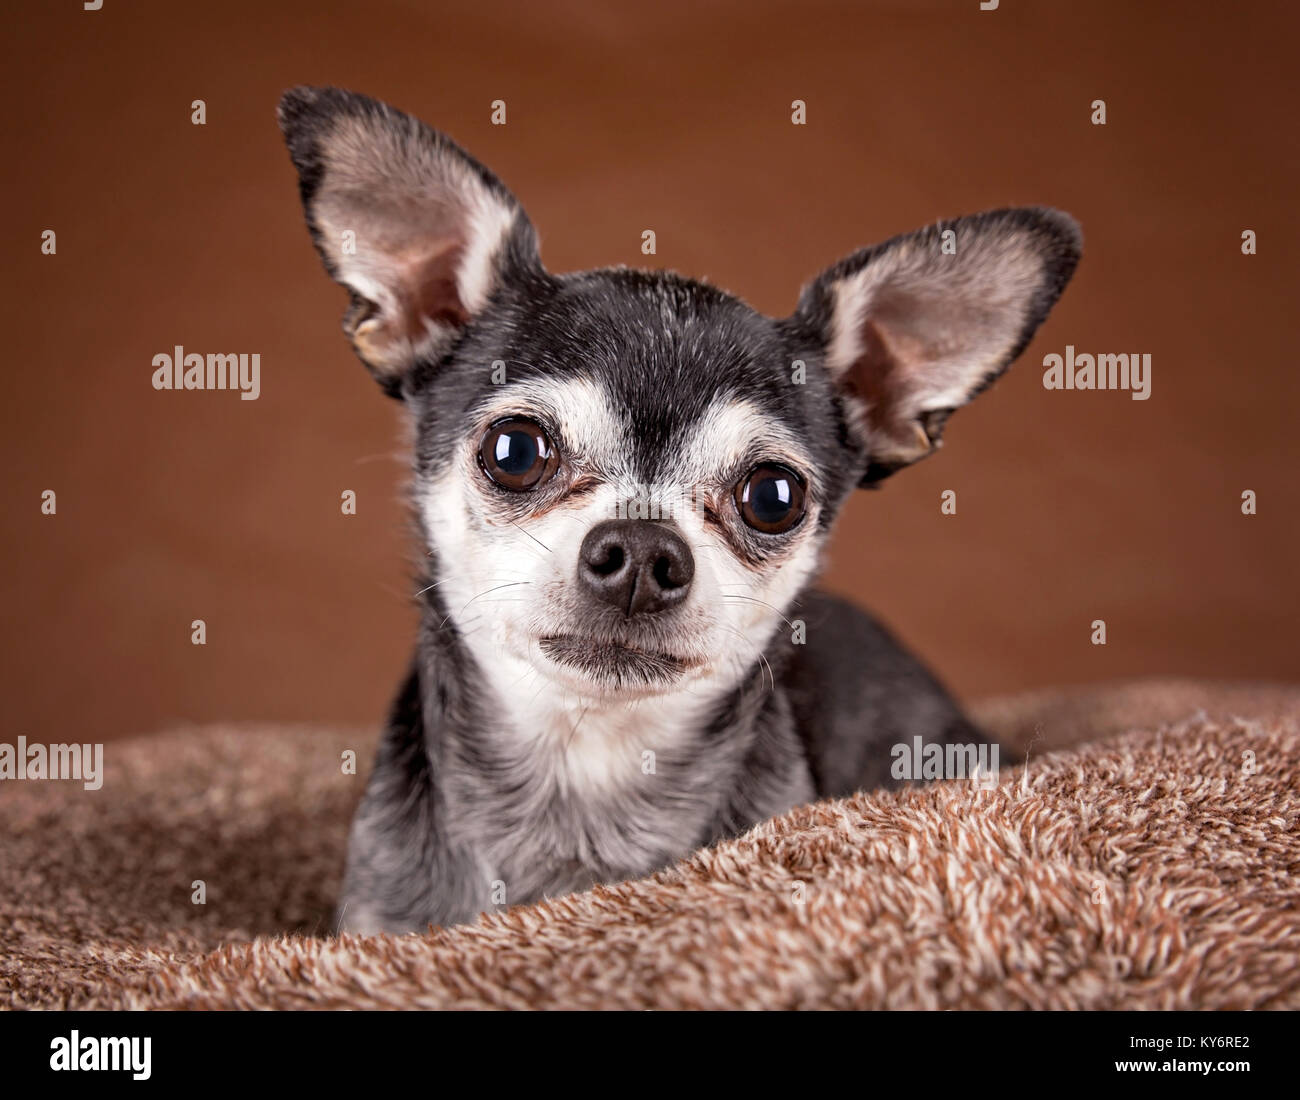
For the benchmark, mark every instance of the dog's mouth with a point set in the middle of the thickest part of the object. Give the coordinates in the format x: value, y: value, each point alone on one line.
x: 615, y: 663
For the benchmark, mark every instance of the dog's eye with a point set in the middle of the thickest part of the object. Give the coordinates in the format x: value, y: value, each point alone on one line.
x: 517, y: 454
x: 770, y: 499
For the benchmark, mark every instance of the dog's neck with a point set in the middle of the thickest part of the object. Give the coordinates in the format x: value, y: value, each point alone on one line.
x: 551, y: 794
x: 518, y: 719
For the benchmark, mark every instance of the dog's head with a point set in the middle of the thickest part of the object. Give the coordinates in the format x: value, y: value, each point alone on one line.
x: 626, y: 478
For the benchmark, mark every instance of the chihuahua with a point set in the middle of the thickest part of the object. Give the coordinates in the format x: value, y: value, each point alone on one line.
x: 625, y: 481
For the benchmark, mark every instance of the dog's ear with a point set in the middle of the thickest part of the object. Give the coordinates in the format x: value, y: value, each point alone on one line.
x: 914, y: 328
x: 419, y: 232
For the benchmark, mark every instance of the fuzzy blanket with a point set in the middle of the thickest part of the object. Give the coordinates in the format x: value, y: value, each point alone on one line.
x: 1148, y: 856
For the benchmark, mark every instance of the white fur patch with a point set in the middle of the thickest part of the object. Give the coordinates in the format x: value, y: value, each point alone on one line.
x: 490, y: 222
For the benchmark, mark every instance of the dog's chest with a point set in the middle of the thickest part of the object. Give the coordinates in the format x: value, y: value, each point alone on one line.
x: 564, y: 807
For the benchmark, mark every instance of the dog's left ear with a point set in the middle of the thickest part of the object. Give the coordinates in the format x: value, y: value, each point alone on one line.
x: 914, y: 328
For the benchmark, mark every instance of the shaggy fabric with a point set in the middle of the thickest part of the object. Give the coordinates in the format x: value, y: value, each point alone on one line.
x: 1153, y: 868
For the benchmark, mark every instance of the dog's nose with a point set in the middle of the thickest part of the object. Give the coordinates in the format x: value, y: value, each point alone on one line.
x: 637, y: 565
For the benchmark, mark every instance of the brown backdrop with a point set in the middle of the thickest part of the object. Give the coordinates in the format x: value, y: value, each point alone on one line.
x: 676, y: 117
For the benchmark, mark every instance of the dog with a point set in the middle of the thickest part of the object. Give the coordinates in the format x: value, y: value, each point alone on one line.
x: 624, y: 481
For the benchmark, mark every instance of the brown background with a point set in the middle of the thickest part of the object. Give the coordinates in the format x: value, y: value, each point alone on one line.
x: 676, y: 117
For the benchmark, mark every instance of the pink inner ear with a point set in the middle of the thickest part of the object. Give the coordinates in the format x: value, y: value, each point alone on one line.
x: 422, y: 278
x: 408, y: 261
x: 883, y: 378
x: 911, y: 346
x: 430, y: 290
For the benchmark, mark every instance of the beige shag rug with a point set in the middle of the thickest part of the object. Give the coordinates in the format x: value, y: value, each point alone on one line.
x: 1144, y: 859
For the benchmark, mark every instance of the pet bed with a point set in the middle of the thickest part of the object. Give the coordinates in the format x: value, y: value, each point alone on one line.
x: 1148, y: 856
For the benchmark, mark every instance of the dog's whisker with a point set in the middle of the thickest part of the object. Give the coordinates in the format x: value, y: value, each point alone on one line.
x: 762, y: 657
x: 574, y: 731
x: 533, y: 537
x: 446, y: 580
x: 390, y: 590
x: 392, y: 456
x: 512, y: 584
x: 529, y: 670
x: 751, y: 599
x: 458, y: 626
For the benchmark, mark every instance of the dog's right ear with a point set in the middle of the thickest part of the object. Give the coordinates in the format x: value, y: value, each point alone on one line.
x: 419, y: 232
